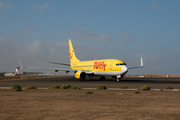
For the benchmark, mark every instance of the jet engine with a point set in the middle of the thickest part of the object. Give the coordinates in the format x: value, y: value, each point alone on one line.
x: 80, y: 75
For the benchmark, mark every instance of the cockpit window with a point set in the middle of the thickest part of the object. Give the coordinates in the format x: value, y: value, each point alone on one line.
x: 117, y: 64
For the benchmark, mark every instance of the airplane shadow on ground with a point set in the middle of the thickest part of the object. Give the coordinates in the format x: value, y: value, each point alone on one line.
x: 136, y: 81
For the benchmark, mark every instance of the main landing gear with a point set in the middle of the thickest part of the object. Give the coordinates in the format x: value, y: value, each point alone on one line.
x: 102, y: 78
x: 81, y: 79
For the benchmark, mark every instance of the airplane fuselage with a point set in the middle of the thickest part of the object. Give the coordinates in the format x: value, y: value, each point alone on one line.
x: 112, y: 67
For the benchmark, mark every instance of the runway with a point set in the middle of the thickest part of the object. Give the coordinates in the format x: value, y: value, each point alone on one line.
x: 93, y: 82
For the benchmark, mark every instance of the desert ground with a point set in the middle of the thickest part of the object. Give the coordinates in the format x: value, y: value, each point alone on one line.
x: 83, y: 104
x: 28, y: 77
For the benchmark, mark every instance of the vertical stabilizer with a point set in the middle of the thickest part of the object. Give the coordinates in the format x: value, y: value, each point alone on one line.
x: 72, y: 53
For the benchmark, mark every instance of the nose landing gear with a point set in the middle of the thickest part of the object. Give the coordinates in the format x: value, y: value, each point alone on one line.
x: 118, y: 78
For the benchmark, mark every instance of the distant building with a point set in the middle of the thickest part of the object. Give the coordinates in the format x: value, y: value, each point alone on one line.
x: 142, y: 76
x: 49, y: 74
x: 9, y: 74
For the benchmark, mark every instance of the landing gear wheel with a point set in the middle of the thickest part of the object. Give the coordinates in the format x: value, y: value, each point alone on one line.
x: 102, y: 78
x: 81, y: 79
x: 118, y: 79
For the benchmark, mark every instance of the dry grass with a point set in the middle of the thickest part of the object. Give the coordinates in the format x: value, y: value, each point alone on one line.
x: 28, y: 77
x: 78, y: 105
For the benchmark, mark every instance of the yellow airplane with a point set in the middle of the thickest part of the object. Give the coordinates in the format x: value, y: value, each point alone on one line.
x: 104, y: 67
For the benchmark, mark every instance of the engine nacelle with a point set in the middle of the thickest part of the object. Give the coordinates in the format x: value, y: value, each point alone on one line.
x: 80, y: 75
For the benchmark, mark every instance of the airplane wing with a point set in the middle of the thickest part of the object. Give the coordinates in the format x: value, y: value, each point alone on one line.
x: 56, y: 69
x: 44, y: 68
x: 60, y: 63
x: 138, y: 66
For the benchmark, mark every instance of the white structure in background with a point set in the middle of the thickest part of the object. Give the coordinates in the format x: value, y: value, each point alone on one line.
x: 13, y: 74
x: 9, y: 74
x: 17, y: 70
x: 168, y: 75
x: 49, y: 74
x: 142, y: 76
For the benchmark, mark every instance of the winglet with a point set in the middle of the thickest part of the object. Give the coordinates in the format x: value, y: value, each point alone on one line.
x: 138, y: 66
x: 142, y: 62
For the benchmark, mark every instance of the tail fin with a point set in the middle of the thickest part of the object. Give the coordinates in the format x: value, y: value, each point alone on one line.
x: 72, y: 53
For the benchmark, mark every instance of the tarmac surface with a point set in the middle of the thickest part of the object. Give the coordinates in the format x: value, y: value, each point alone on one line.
x: 93, y: 82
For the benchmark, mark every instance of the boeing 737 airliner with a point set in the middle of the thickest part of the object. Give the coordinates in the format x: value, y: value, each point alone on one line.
x: 104, y: 67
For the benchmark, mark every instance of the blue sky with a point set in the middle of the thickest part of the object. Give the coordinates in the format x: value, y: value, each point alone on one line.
x: 38, y: 31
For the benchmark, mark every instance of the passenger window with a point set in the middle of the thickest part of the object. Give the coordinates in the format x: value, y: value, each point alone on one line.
x: 117, y: 64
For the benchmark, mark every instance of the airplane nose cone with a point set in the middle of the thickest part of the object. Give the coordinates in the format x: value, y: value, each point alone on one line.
x: 124, y: 68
